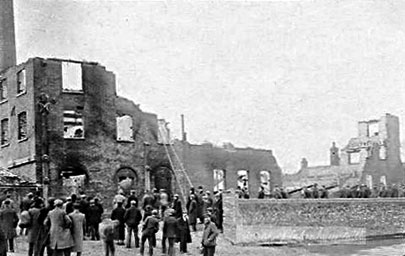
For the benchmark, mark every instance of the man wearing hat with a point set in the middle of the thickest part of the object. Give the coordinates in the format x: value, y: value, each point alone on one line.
x: 132, y: 197
x: 184, y: 232
x: 170, y: 231
x: 132, y: 218
x: 209, y: 237
x: 61, y: 240
x: 94, y: 219
x: 177, y: 206
x: 149, y: 230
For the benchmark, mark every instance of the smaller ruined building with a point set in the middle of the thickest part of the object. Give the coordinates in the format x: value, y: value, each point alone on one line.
x: 371, y: 158
x: 222, y: 168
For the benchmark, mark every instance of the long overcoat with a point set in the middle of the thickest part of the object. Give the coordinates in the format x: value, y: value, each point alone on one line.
x: 34, y: 229
x: 78, y: 224
x: 8, y: 222
x: 193, y: 212
x: 60, y: 234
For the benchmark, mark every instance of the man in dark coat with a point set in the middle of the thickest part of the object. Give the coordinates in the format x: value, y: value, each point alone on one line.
x: 184, y: 236
x: 200, y: 204
x: 218, y: 211
x: 193, y: 212
x: 132, y: 197
x: 209, y: 237
x: 149, y: 230
x: 147, y: 199
x: 118, y: 214
x: 170, y: 231
x: 177, y: 206
x: 43, y: 238
x: 8, y: 223
x: 94, y: 219
x: 34, y: 229
x: 132, y: 218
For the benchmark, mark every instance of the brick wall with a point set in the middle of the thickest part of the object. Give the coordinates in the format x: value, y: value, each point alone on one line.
x: 300, y: 220
x: 201, y: 160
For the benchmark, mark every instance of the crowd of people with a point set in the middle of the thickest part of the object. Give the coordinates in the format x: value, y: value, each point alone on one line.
x: 59, y: 226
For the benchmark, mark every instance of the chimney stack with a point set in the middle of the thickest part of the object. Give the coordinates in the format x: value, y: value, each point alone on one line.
x: 7, y: 35
x: 183, y: 131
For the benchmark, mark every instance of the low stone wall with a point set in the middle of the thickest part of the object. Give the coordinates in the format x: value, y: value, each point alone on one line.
x: 262, y: 221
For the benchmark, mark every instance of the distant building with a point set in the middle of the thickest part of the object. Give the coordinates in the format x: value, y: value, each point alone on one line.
x: 371, y: 158
x: 222, y: 168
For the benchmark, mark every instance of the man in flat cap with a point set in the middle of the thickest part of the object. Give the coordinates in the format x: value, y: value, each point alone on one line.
x: 61, y: 240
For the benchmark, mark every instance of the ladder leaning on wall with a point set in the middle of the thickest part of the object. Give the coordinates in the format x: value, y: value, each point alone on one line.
x: 181, y: 177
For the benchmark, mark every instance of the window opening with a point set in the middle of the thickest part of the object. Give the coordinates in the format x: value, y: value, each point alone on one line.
x: 3, y: 89
x: 265, y: 181
x: 22, y: 125
x: 243, y: 180
x: 4, y: 132
x: 21, y: 81
x: 72, y: 124
x: 219, y: 180
x: 71, y: 76
x: 124, y: 128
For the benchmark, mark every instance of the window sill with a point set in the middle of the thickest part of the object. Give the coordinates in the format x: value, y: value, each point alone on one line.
x: 21, y: 93
x: 72, y: 91
x: 126, y: 141
x: 3, y: 101
x: 68, y: 138
x: 22, y: 140
x: 5, y: 145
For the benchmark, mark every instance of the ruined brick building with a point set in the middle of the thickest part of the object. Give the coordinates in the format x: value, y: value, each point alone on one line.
x: 371, y: 158
x: 62, y: 121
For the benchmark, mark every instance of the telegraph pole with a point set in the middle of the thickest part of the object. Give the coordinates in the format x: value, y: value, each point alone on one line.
x: 145, y: 165
x: 44, y: 108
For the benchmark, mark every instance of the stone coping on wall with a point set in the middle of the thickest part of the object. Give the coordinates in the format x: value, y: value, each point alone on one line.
x: 261, y: 221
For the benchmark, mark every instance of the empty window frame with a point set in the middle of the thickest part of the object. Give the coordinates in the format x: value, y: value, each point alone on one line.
x: 219, y: 180
x: 265, y: 181
x: 373, y: 129
x: 354, y: 158
x: 3, y: 89
x: 383, y: 152
x: 72, y: 76
x: 22, y: 126
x: 4, y: 130
x: 73, y: 124
x: 124, y: 128
x: 21, y: 82
x: 243, y: 179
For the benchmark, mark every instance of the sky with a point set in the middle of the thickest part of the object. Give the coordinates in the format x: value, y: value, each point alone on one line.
x: 290, y: 76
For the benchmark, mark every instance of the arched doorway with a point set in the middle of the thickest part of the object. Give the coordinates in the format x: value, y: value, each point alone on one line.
x: 163, y: 178
x: 127, y: 179
x: 74, y: 178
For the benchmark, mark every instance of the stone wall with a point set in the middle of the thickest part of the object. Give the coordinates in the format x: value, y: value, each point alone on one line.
x: 305, y: 220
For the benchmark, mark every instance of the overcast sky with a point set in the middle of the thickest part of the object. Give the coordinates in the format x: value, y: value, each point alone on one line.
x: 291, y: 76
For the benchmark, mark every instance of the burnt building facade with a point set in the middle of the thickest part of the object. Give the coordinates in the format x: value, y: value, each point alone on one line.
x: 66, y: 116
x: 222, y: 168
x: 371, y: 158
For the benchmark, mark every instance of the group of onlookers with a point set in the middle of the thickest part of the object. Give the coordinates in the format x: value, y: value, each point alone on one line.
x: 60, y: 227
